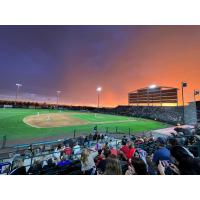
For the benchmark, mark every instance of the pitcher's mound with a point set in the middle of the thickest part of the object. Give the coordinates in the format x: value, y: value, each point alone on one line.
x: 52, y: 120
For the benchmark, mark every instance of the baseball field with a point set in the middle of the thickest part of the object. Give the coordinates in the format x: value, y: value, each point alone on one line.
x: 31, y: 125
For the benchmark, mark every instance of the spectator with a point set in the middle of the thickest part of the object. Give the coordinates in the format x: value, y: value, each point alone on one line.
x: 81, y: 140
x: 4, y: 167
x: 95, y: 130
x: 124, y: 140
x: 139, y: 141
x: 140, y: 153
x: 36, y: 168
x: 185, y: 162
x: 57, y: 153
x: 172, y: 141
x: 56, y: 160
x: 131, y: 151
x: 31, y: 149
x: 37, y: 152
x: 102, y: 138
x: 97, y: 146
x: 164, y: 166
x: 113, y: 166
x: 137, y: 167
x: 102, y: 164
x: 151, y: 166
x: 87, y: 162
x: 162, y: 153
x: 64, y: 161
x: 90, y: 137
x: 76, y: 149
x: 124, y: 151
x: 18, y: 168
x: 50, y: 164
x: 67, y: 150
x: 94, y: 137
x: 98, y: 137
x: 106, y: 138
x: 99, y: 157
x: 113, y: 150
x: 86, y: 141
x: 105, y: 146
x: 43, y: 148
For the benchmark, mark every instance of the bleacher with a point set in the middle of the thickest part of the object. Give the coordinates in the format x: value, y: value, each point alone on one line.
x: 43, y: 153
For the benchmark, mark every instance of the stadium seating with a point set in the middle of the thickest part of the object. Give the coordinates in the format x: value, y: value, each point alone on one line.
x: 42, y: 160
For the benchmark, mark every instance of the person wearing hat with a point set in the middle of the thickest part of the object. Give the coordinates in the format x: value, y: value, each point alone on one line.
x: 184, y: 162
x: 162, y: 153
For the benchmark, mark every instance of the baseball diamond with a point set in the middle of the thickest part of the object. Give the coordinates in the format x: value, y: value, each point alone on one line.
x: 24, y: 125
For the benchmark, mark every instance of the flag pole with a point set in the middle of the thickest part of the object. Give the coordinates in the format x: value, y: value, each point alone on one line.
x: 194, y: 95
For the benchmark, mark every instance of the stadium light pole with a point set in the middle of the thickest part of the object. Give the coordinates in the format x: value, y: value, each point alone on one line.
x: 17, y: 90
x: 58, y: 96
x: 99, y: 89
x: 183, y: 85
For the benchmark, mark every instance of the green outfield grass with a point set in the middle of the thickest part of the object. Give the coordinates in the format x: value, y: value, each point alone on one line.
x: 12, y: 125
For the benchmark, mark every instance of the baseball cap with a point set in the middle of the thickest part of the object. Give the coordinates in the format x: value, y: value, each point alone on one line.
x: 161, y: 140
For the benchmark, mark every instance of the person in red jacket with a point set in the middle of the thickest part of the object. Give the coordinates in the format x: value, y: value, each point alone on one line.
x: 131, y: 151
x: 127, y: 151
x: 124, y: 151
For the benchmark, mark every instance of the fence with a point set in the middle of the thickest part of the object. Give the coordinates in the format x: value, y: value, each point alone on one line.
x: 6, y: 142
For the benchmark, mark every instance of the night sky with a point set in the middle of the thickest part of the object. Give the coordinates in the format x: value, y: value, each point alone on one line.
x: 77, y: 59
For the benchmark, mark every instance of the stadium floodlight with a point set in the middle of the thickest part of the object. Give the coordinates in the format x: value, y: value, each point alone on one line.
x: 58, y: 96
x: 18, y: 85
x: 152, y: 86
x: 17, y: 90
x: 99, y: 89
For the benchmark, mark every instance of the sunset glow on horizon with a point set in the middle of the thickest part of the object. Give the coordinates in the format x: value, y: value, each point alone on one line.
x: 78, y: 59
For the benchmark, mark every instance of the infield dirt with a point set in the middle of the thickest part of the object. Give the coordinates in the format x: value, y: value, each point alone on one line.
x: 52, y: 120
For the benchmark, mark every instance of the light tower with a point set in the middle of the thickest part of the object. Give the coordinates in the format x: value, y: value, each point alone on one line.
x: 99, y: 89
x: 58, y: 97
x: 17, y: 90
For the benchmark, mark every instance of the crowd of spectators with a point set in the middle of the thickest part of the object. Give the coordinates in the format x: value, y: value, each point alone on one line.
x: 98, y: 154
x: 166, y: 114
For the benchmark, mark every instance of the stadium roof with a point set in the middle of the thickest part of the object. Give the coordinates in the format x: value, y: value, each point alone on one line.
x: 156, y: 87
